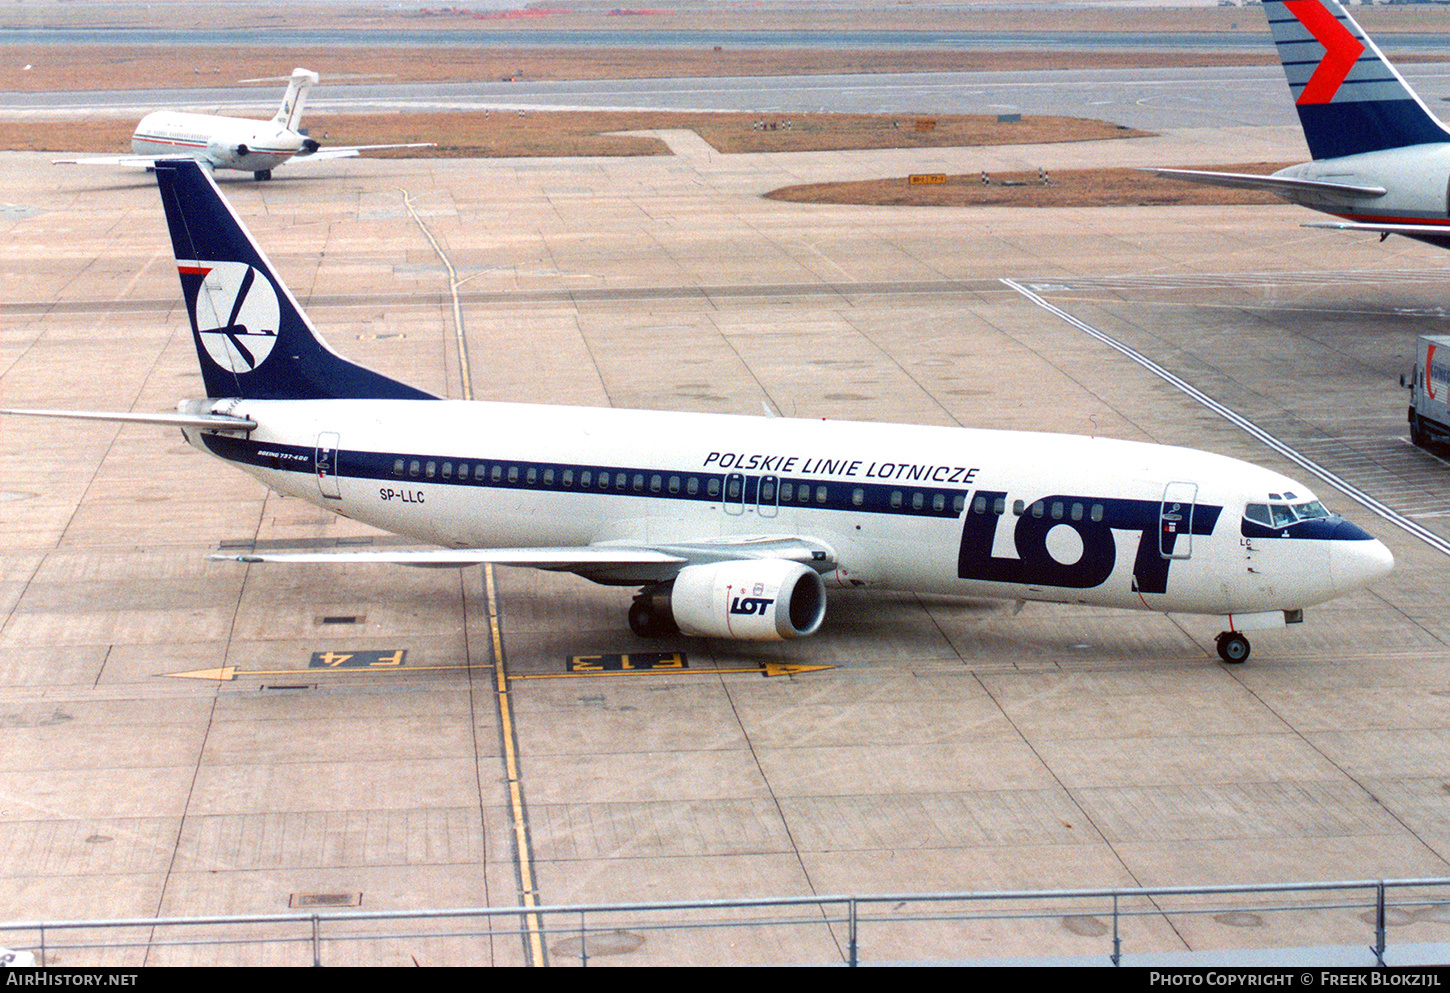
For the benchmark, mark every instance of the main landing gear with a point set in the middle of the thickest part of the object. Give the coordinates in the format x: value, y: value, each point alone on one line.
x: 650, y: 615
x: 1232, y: 647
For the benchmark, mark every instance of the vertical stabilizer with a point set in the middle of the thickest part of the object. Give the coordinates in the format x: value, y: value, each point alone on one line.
x: 252, y: 338
x: 1349, y: 98
x: 289, y: 115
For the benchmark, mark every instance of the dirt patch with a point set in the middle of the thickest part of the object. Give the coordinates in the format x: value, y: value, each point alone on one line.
x: 505, y: 134
x: 1069, y: 188
x: 57, y: 68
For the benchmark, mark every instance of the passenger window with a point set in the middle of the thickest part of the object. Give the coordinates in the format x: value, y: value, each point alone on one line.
x: 918, y: 500
x: 858, y: 497
x: 548, y: 477
x: 639, y: 482
x: 568, y: 478
x: 959, y: 503
x: 732, y: 489
x: 397, y: 467
x: 1037, y: 508
x: 767, y: 491
x: 463, y: 470
x: 1097, y: 512
x: 821, y: 493
x: 1017, y: 507
x: 430, y: 469
x: 692, y: 486
x: 604, y: 480
x: 497, y: 473
x: 803, y: 492
x: 447, y: 470
x: 939, y: 503
x: 1057, y: 510
x: 896, y: 498
x: 787, y: 492
x: 413, y: 467
x: 513, y: 474
x: 999, y: 506
x: 586, y: 478
x: 532, y: 477
x: 979, y: 505
x: 712, y: 487
x: 655, y: 482
x: 621, y: 480
x: 1077, y: 511
x: 674, y: 484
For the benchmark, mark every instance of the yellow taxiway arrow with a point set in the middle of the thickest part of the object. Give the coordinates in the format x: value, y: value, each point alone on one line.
x: 228, y: 673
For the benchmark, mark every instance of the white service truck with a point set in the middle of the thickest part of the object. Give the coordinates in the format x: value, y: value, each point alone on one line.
x: 1430, y: 392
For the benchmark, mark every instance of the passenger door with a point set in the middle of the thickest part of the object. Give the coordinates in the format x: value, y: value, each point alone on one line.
x: 1175, y: 520
x: 326, y: 465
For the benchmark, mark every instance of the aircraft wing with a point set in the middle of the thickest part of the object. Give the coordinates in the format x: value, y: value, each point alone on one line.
x: 636, y: 563
x: 129, y: 161
x: 352, y: 151
x: 1271, y: 184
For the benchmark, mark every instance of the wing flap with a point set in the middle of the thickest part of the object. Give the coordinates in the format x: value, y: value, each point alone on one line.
x: 566, y: 559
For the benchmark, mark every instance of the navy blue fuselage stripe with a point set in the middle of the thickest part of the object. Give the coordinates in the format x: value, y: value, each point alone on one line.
x: 876, y: 498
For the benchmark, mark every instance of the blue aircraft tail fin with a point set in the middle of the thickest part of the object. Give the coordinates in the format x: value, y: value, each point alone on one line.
x: 1349, y: 97
x: 252, y: 338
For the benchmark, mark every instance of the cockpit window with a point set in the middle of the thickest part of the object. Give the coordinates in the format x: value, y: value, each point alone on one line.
x: 1259, y: 514
x: 1282, y: 514
x: 1311, y: 510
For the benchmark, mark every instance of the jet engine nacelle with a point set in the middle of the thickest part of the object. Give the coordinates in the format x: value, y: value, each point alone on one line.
x: 224, y: 153
x: 749, y: 600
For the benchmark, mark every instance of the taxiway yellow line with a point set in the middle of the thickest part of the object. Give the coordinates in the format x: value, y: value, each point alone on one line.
x: 511, y: 762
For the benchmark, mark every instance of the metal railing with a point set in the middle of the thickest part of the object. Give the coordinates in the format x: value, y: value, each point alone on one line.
x: 921, y: 927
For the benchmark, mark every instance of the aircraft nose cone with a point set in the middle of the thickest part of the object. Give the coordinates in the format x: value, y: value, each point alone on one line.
x: 1353, y: 564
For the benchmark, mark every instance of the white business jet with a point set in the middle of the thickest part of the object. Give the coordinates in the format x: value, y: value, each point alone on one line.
x: 731, y: 526
x: 237, y: 143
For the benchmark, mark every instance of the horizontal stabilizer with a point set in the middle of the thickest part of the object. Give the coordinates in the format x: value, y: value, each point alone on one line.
x: 207, y: 422
x: 1441, y: 230
x: 563, y: 559
x: 1271, y: 184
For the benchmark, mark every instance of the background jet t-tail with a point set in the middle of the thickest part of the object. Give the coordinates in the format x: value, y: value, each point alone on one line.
x: 1381, y: 159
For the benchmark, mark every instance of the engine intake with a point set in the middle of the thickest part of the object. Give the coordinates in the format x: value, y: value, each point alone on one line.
x: 749, y: 600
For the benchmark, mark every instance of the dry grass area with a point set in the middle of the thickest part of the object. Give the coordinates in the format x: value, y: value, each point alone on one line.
x: 1071, y: 188
x: 56, y: 68
x: 503, y: 134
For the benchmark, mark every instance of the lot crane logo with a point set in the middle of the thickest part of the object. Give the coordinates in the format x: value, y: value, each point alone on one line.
x: 236, y: 314
x: 1341, y: 50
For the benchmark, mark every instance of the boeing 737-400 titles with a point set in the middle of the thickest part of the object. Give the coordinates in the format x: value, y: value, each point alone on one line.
x: 1381, y: 159
x: 220, y: 142
x: 730, y: 526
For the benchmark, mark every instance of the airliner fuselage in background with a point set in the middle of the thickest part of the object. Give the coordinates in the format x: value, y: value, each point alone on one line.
x: 238, y: 143
x: 732, y: 527
x: 1381, y: 159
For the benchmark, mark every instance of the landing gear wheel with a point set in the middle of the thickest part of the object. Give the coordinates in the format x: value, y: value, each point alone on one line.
x: 262, y: 174
x: 1233, y: 647
x: 650, y: 620
x: 1417, y: 433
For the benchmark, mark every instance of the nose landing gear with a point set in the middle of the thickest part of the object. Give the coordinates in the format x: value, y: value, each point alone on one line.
x: 1232, y: 647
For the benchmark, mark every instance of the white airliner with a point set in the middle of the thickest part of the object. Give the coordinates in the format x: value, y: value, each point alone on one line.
x: 238, y: 143
x: 1381, y: 159
x: 732, y: 526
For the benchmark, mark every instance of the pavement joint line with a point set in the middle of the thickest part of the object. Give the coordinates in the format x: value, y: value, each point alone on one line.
x: 1238, y: 420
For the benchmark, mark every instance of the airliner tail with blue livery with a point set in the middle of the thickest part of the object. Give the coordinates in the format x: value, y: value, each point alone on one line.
x: 1381, y: 159
x: 730, y: 527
